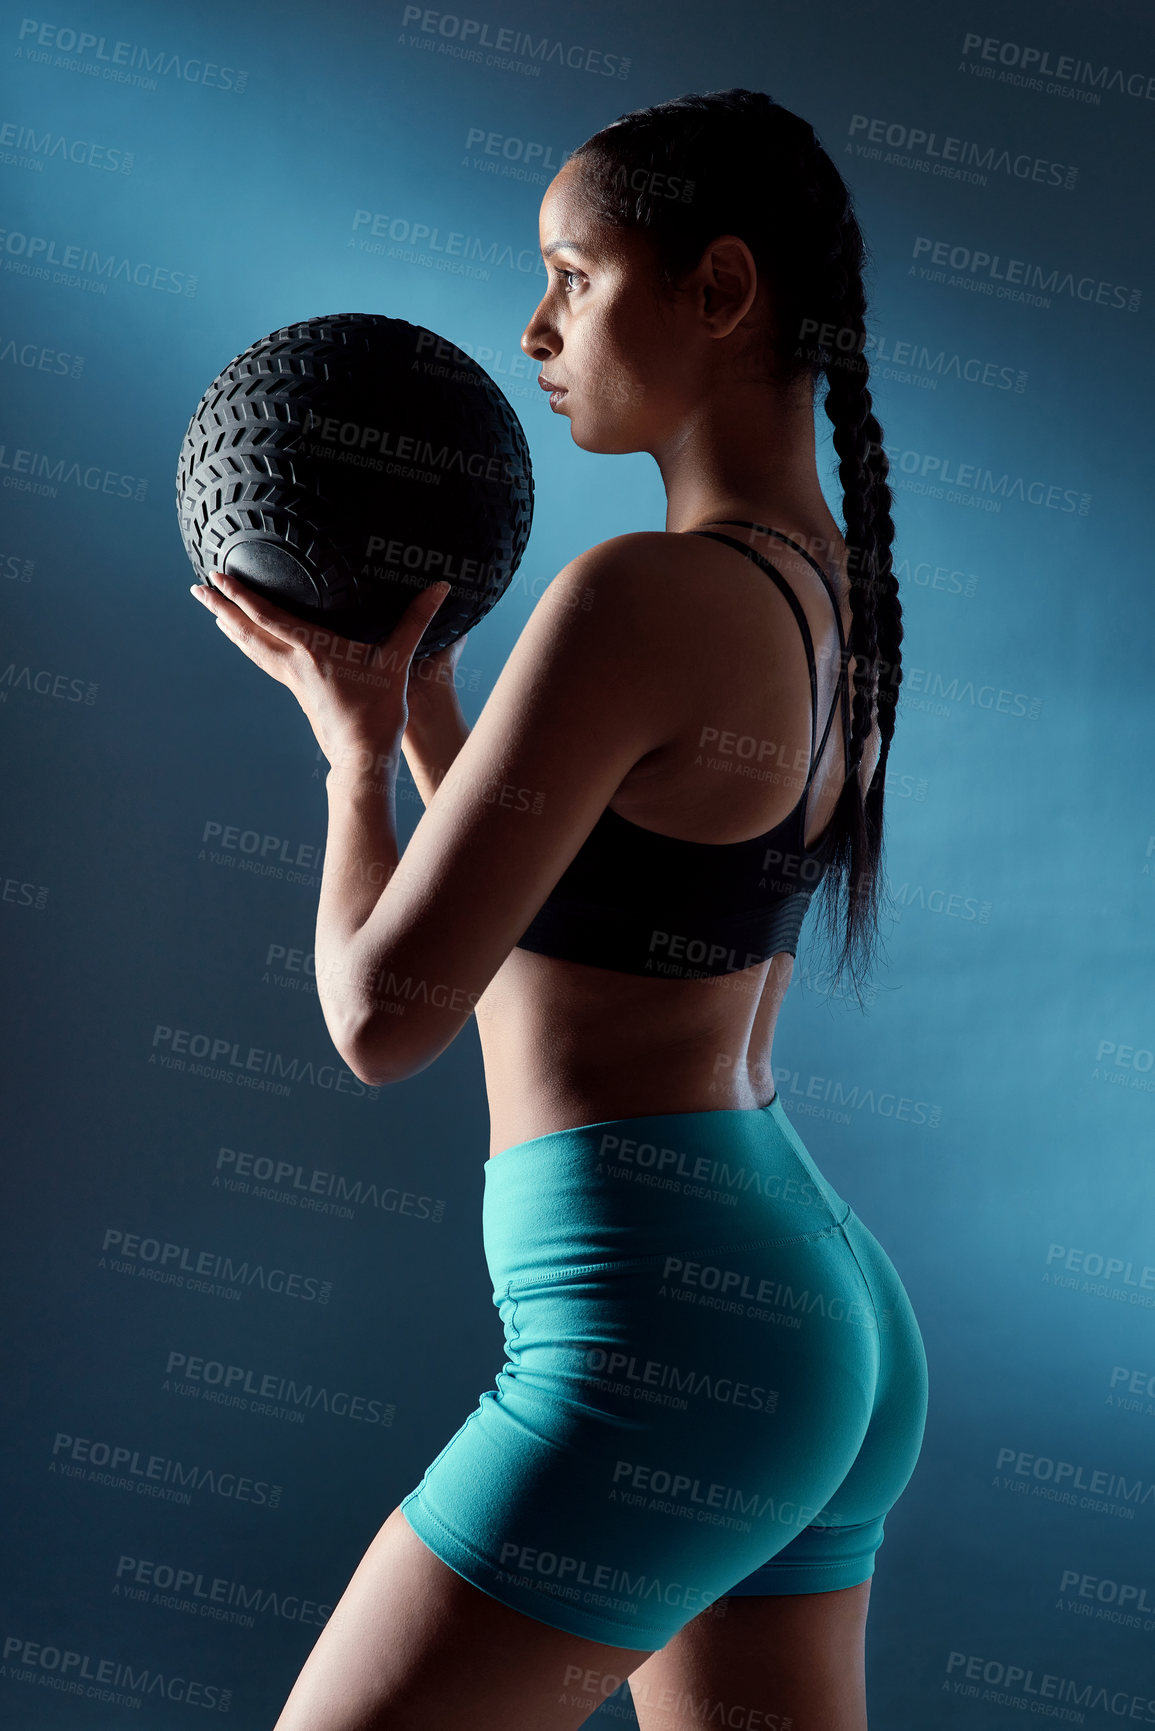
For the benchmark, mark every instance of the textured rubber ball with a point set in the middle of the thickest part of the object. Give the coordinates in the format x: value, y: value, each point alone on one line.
x: 342, y: 464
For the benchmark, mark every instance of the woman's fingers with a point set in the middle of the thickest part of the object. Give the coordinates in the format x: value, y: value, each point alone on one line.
x: 274, y: 621
x: 240, y: 622
x: 312, y: 663
x: 407, y: 634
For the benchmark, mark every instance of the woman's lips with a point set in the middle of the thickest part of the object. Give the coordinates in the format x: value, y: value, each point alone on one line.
x: 556, y: 392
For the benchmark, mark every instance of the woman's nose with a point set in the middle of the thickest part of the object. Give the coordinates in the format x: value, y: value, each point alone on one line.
x: 538, y: 341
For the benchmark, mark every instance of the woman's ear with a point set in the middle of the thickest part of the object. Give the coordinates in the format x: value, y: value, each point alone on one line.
x: 729, y: 279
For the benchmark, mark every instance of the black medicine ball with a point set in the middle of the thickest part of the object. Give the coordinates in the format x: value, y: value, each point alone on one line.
x: 340, y: 465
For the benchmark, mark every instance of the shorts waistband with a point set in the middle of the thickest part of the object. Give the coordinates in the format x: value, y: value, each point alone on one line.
x: 629, y: 1188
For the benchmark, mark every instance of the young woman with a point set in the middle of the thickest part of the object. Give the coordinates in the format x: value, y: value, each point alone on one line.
x: 715, y: 1387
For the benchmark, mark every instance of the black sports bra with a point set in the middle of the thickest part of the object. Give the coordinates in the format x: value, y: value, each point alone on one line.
x: 639, y: 902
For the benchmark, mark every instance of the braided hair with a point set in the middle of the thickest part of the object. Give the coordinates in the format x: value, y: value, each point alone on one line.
x: 737, y: 162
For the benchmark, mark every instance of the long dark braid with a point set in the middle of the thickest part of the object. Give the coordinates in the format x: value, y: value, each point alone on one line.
x: 876, y: 613
x: 740, y: 163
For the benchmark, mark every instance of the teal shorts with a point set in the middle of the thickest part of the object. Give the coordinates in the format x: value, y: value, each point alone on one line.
x: 714, y: 1381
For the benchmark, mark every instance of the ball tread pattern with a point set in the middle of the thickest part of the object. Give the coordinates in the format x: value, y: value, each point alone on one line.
x: 250, y: 487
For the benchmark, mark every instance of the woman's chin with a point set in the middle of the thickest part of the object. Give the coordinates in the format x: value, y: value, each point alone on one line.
x: 604, y: 440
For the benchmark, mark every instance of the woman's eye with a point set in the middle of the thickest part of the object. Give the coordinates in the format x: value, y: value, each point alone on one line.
x: 563, y: 272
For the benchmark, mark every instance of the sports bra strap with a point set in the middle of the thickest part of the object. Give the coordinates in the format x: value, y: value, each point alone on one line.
x: 800, y: 616
x: 765, y: 529
x: 843, y: 681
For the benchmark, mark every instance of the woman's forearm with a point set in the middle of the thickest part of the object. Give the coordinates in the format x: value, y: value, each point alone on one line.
x: 361, y: 856
x: 431, y: 743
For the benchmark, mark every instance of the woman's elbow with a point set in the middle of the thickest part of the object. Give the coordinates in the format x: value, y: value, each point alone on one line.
x: 379, y: 1056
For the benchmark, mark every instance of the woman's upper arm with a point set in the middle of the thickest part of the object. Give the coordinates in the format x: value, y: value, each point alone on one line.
x: 587, y: 691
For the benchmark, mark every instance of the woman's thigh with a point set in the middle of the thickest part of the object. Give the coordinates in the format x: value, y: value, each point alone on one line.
x: 411, y: 1645
x: 789, y: 1663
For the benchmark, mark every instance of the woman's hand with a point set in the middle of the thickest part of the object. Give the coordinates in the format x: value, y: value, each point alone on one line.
x: 431, y: 693
x: 355, y: 695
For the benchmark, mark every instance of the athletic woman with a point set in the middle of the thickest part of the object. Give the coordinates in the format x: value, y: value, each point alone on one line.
x: 715, y: 1387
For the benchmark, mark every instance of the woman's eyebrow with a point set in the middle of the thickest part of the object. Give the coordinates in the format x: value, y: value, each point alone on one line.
x: 570, y: 246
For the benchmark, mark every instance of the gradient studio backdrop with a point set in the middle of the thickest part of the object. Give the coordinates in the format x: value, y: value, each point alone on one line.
x: 173, y: 188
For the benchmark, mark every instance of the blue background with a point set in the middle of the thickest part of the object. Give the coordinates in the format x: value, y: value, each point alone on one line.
x: 990, y: 1118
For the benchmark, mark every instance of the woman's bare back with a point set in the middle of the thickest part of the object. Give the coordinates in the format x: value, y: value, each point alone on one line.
x: 566, y: 1044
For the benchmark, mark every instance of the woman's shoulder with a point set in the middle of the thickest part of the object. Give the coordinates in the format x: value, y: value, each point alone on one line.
x: 673, y: 588
x: 650, y: 567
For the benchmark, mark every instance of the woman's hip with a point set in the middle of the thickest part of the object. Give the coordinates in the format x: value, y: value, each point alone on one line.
x: 699, y: 1261
x: 704, y: 1358
x: 630, y: 1188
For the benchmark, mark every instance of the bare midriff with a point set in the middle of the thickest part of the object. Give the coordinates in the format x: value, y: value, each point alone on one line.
x: 566, y: 1044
